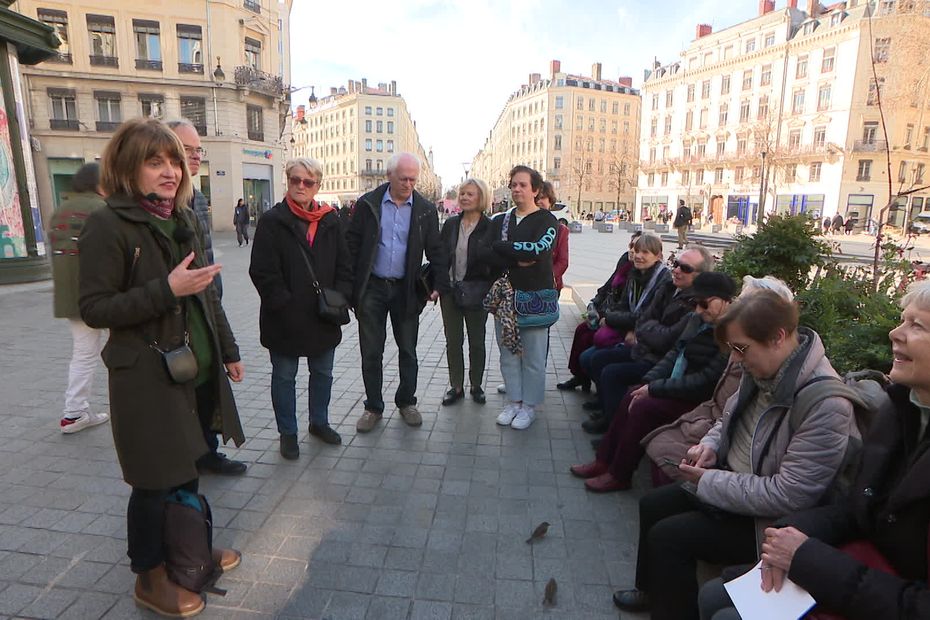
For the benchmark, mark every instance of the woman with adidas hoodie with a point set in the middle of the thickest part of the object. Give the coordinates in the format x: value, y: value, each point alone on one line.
x: 754, y: 465
x: 521, y: 241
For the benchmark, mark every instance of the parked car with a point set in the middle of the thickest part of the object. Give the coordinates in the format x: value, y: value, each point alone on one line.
x: 921, y: 223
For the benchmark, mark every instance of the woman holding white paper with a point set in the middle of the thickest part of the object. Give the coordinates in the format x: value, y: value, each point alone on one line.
x: 867, y: 557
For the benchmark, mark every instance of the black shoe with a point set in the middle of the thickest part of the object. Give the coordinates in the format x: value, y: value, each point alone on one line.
x: 289, y: 448
x: 592, y: 405
x: 596, y: 442
x: 596, y: 427
x: 327, y: 434
x: 216, y: 463
x: 453, y: 396
x: 572, y: 383
x: 631, y: 600
x: 595, y: 415
x: 477, y: 395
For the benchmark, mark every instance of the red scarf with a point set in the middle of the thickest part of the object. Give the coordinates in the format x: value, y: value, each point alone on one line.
x: 311, y: 216
x: 159, y: 208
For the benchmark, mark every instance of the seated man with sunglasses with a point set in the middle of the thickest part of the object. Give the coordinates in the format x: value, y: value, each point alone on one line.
x: 654, y: 335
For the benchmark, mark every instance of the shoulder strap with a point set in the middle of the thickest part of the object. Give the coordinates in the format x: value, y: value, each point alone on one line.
x: 815, y: 391
x: 303, y: 255
x: 505, y: 228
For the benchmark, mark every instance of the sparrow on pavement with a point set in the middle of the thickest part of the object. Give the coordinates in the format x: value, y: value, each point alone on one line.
x: 538, y: 533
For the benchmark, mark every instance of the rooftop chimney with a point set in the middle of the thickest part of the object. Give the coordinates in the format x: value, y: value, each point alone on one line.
x: 301, y: 111
x: 813, y: 8
x: 393, y: 87
x: 596, y: 71
x: 766, y: 6
x: 625, y: 81
x: 703, y: 30
x: 364, y: 88
x: 382, y: 86
x: 555, y: 67
x: 351, y: 86
x: 792, y: 4
x: 534, y: 78
x: 333, y: 90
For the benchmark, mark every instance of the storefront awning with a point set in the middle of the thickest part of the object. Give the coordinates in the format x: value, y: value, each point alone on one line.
x: 34, y: 40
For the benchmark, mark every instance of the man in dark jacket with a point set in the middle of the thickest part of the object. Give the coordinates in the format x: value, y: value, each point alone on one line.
x: 214, y: 461
x: 391, y: 228
x: 186, y: 131
x: 681, y: 223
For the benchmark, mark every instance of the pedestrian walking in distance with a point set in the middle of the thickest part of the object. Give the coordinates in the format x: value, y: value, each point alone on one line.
x: 144, y: 275
x: 392, y: 227
x: 300, y: 250
x: 682, y: 222
x: 241, y: 222
x: 87, y: 342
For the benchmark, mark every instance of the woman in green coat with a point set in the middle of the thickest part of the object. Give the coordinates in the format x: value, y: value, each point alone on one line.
x: 144, y: 276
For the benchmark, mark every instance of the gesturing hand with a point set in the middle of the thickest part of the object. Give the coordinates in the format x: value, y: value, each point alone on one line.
x: 184, y: 281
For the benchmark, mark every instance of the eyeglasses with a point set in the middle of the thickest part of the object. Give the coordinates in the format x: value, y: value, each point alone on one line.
x: 738, y: 348
x: 308, y: 183
x: 190, y: 150
x: 685, y: 268
x: 703, y: 304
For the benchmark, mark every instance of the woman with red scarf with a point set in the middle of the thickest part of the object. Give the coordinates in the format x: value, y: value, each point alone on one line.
x: 291, y: 238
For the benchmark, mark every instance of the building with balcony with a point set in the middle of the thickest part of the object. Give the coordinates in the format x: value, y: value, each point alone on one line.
x: 778, y: 114
x: 353, y: 132
x: 222, y: 64
x: 580, y: 132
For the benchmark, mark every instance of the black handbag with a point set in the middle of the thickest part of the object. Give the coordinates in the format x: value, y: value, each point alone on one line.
x: 470, y: 294
x: 180, y: 363
x: 425, y: 283
x: 332, y: 306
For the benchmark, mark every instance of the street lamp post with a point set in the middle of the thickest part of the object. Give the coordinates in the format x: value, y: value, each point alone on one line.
x: 761, y: 189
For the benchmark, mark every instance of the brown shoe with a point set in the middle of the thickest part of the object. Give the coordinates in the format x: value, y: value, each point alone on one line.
x: 226, y: 559
x: 411, y: 415
x: 156, y: 592
x: 368, y: 421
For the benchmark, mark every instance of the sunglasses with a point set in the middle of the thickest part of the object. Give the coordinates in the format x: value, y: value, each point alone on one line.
x: 685, y: 268
x: 308, y: 183
x: 738, y: 348
x: 703, y: 304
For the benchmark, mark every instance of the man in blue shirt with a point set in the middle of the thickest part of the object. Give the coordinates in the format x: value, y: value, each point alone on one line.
x: 391, y: 228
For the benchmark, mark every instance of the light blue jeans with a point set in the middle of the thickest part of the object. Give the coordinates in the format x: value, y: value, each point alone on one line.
x: 284, y: 389
x: 525, y: 376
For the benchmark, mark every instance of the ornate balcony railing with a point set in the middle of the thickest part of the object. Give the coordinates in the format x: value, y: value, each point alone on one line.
x: 259, y: 81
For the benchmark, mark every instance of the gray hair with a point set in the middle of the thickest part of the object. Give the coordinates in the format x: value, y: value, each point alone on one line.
x: 312, y: 167
x: 707, y: 259
x: 396, y: 159
x: 179, y: 122
x: 770, y: 283
x: 918, y: 293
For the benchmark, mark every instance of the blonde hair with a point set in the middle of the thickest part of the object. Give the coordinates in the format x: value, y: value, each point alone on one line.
x: 312, y: 167
x: 135, y: 142
x: 917, y: 293
x: 768, y: 283
x: 484, y: 199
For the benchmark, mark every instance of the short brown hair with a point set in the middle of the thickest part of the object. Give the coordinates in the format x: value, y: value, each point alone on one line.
x: 649, y: 242
x: 760, y: 316
x: 133, y: 143
x: 547, y: 191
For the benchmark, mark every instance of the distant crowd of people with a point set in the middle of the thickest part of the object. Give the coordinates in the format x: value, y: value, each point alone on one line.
x: 757, y: 448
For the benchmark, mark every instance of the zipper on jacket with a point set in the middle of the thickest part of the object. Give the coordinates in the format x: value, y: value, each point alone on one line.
x: 135, y: 260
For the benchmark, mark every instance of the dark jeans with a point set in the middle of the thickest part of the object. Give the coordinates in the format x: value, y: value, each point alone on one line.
x: 145, y: 521
x: 583, y: 340
x: 385, y: 298
x: 674, y: 533
x: 284, y: 389
x: 455, y: 322
x: 616, y: 379
x: 242, y: 230
x: 714, y: 601
x: 620, y: 448
x: 593, y: 361
x: 206, y: 404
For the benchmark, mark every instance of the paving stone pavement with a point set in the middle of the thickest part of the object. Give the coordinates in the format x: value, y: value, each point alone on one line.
x: 424, y: 523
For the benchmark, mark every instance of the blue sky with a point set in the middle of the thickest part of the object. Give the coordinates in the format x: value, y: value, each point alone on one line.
x: 457, y: 61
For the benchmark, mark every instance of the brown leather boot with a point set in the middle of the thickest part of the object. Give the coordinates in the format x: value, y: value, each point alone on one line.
x: 226, y: 559
x: 155, y: 591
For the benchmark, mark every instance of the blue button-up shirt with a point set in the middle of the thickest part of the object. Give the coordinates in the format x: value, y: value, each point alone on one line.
x: 391, y: 255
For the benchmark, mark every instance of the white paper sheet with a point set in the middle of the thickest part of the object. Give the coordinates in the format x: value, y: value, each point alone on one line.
x: 752, y: 603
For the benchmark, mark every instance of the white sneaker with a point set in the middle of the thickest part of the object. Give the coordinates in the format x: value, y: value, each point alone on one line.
x: 508, y: 414
x: 502, y: 388
x: 524, y: 418
x: 86, y: 420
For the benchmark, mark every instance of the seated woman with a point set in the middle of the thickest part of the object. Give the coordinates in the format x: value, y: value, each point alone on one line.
x: 648, y: 276
x: 604, y: 299
x: 750, y: 465
x: 685, y: 376
x: 887, y: 515
x: 667, y: 445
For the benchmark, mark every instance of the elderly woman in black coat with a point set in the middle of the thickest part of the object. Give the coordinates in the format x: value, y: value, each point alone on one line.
x: 866, y: 556
x: 297, y: 242
x: 145, y: 277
